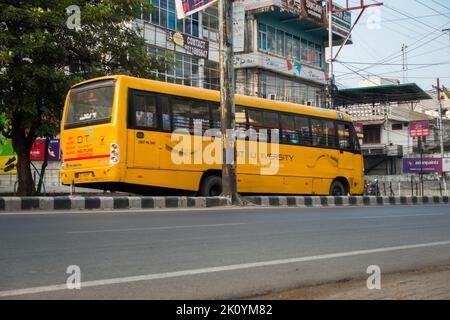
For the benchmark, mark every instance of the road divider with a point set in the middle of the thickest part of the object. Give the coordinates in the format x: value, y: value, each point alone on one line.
x: 8, y: 204
x: 107, y: 203
x: 328, y: 201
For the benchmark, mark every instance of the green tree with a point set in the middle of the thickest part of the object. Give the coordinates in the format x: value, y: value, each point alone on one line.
x: 43, y: 52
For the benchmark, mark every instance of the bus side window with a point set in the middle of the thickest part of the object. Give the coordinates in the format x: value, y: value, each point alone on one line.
x: 288, y: 132
x: 215, y: 116
x: 144, y: 111
x: 318, y: 138
x: 181, y: 114
x: 241, y: 122
x: 165, y: 112
x: 200, y: 115
x: 344, y: 136
x: 330, y: 135
x: 255, y: 122
x: 354, y: 139
x: 271, y: 122
x: 302, y: 127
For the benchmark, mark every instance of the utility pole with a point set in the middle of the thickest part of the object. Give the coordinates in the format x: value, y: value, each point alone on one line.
x: 405, y: 61
x: 227, y: 107
x: 330, y: 59
x: 441, y: 133
x: 447, y: 30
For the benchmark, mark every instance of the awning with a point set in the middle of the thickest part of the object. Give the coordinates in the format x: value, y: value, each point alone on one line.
x: 380, y: 94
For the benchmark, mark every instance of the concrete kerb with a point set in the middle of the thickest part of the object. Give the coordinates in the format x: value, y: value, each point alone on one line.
x: 8, y: 204
x: 347, y: 201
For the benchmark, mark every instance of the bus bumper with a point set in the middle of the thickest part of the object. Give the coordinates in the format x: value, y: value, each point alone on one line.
x: 91, y: 175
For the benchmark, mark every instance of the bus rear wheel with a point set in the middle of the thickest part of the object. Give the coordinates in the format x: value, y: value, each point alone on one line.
x: 211, y: 186
x: 337, y: 189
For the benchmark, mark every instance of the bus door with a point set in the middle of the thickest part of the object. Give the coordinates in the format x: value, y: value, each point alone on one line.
x: 346, y: 156
x: 143, y: 137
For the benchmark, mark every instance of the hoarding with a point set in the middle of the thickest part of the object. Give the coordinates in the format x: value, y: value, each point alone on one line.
x: 312, y: 9
x: 342, y: 21
x: 281, y: 65
x: 187, y: 7
x: 37, y: 152
x: 424, y: 165
x: 195, y: 46
x: 8, y: 158
x: 419, y: 128
x: 359, y: 129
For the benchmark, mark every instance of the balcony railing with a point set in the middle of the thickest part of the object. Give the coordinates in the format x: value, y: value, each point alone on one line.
x: 390, y: 151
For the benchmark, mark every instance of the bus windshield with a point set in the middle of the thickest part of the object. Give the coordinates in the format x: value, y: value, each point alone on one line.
x: 90, y: 104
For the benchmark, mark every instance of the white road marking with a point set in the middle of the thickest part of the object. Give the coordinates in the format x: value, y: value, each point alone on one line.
x: 158, y: 228
x: 157, y: 276
x: 403, y: 215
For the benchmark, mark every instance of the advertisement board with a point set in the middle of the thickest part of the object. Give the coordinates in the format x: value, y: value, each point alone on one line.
x: 38, y: 149
x: 281, y: 65
x: 195, y: 46
x: 312, y: 9
x: 187, y: 7
x: 8, y: 159
x: 419, y: 128
x: 342, y: 21
x: 424, y: 165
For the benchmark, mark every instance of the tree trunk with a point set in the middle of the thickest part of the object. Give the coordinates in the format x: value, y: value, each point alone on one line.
x: 22, y: 146
x: 44, y: 165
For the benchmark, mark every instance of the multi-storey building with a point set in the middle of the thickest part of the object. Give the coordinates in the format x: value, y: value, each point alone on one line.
x: 279, y: 46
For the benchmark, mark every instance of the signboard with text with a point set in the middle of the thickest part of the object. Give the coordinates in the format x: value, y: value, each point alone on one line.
x: 312, y: 9
x: 37, y: 152
x: 281, y: 65
x: 359, y: 129
x: 424, y: 165
x: 195, y: 46
x: 419, y: 128
x: 342, y: 22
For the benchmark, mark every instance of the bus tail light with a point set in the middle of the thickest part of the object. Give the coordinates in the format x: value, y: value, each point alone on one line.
x: 61, y: 158
x: 114, y: 153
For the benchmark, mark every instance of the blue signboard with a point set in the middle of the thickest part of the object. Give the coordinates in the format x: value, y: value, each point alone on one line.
x: 424, y: 165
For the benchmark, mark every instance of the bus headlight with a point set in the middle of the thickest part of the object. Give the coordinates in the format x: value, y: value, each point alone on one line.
x: 114, y: 155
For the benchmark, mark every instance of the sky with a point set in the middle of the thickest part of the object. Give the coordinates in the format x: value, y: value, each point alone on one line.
x: 380, y: 34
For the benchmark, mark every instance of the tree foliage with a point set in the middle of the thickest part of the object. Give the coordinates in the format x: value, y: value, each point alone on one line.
x: 42, y: 55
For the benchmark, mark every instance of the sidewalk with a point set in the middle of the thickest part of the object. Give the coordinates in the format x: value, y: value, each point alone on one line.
x: 426, y: 284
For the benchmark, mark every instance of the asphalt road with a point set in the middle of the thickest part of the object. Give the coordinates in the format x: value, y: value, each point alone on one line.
x: 214, y: 253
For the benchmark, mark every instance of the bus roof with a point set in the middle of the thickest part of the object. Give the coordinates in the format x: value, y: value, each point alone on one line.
x: 214, y: 95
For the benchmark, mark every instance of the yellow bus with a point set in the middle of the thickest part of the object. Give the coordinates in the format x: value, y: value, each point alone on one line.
x: 117, y: 134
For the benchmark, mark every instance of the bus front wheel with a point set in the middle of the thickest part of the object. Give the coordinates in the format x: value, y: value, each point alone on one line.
x: 211, y: 186
x: 337, y: 188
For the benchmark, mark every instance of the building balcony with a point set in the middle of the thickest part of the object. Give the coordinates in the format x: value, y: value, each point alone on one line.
x: 381, y: 149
